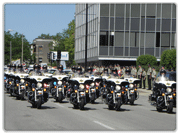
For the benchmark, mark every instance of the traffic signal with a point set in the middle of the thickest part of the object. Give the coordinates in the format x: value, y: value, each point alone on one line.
x: 59, y: 54
x: 48, y: 55
x: 54, y: 56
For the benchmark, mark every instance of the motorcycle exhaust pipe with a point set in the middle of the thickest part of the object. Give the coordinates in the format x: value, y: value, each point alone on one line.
x: 73, y: 95
x: 30, y: 93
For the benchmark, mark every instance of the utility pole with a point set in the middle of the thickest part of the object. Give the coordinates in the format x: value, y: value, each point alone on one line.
x: 10, y: 52
x: 22, y: 50
x: 86, y: 38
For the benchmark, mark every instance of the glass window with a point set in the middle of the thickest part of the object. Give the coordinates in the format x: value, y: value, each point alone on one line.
x: 151, y: 10
x: 150, y: 40
x: 111, y: 9
x: 166, y: 10
x: 141, y: 39
x: 158, y: 24
x: 142, y: 10
x: 165, y: 42
x: 40, y: 48
x: 119, y: 39
x: 174, y: 25
x: 158, y: 39
x: 111, y: 23
x: 135, y: 10
x: 111, y: 38
x: 142, y: 24
x: 127, y: 10
x: 103, y: 38
x: 174, y: 11
x: 127, y: 24
x: 150, y: 24
x: 104, y: 23
x: 173, y: 40
x: 135, y: 24
x: 104, y: 9
x: 119, y: 24
x: 132, y: 39
x: 120, y: 10
x: 166, y: 24
x: 158, y: 10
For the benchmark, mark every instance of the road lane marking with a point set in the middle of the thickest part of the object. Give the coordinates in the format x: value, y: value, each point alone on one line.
x: 59, y: 105
x: 104, y: 125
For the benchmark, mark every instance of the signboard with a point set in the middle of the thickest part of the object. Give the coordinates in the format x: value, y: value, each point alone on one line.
x: 64, y: 55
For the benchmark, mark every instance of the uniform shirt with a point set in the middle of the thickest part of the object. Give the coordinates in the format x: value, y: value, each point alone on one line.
x: 132, y: 71
x: 153, y: 74
x: 149, y: 71
x: 144, y: 73
x: 139, y: 71
x: 135, y: 71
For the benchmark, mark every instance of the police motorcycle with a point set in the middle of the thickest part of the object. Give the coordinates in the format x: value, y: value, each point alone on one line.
x: 10, y: 79
x: 21, y: 83
x: 131, y: 92
x: 7, y: 82
x: 163, y: 93
x: 114, y: 93
x: 60, y: 83
x: 38, y: 93
x: 78, y: 89
x: 94, y: 90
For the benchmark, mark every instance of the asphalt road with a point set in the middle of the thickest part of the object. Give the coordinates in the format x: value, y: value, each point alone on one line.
x: 53, y: 116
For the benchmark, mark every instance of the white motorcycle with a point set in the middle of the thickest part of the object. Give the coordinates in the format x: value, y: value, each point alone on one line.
x: 78, y: 90
x: 60, y: 83
x: 38, y: 93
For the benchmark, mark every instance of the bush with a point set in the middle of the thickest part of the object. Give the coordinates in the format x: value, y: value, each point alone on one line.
x: 168, y: 59
x: 144, y: 60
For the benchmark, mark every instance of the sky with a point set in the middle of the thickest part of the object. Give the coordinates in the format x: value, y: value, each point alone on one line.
x: 32, y: 20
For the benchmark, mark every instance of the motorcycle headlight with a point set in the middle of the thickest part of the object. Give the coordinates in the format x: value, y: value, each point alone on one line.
x: 81, y: 86
x: 39, y: 85
x: 118, y: 87
x: 59, y: 82
x: 92, y: 84
x: 169, y: 90
x: 22, y: 81
x: 131, y: 85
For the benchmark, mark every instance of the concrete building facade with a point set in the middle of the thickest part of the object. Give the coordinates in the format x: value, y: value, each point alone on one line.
x: 41, y: 47
x: 121, y: 32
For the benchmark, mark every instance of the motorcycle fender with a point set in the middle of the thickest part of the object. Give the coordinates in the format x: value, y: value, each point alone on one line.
x: 170, y: 98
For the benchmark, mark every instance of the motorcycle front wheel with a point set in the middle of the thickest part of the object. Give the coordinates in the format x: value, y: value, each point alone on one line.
x: 170, y: 107
x: 92, y: 98
x: 60, y: 97
x: 118, y: 105
x: 81, y: 104
x: 132, y: 100
x: 39, y: 103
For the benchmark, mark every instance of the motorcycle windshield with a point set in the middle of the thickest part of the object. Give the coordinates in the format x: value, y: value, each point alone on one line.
x: 162, y: 78
x: 128, y: 76
x: 57, y: 72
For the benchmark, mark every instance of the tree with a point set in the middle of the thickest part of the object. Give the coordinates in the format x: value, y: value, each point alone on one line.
x: 168, y: 59
x: 144, y: 60
x: 16, y: 47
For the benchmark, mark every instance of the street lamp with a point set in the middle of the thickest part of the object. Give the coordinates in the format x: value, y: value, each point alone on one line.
x: 22, y: 47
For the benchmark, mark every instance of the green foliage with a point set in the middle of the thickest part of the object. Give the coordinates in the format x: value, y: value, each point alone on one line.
x: 65, y: 42
x: 168, y: 59
x: 146, y: 59
x: 16, y: 47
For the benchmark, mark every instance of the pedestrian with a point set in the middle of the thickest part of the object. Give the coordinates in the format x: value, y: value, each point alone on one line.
x: 144, y: 78
x: 149, y: 72
x: 139, y: 73
x: 153, y: 75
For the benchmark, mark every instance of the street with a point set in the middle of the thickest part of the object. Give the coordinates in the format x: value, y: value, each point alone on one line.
x: 54, y: 116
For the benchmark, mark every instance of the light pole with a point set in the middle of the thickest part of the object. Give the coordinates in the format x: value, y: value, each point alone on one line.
x: 22, y: 47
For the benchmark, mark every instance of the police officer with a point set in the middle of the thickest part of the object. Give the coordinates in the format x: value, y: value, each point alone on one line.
x: 36, y: 69
x: 114, y: 72
x: 13, y: 67
x: 149, y: 72
x: 73, y: 69
x: 144, y: 78
x: 89, y: 70
x: 123, y: 70
x: 60, y: 68
x: 20, y: 68
x: 139, y: 73
x: 153, y: 75
x: 79, y: 70
x: 135, y: 71
x: 45, y: 68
